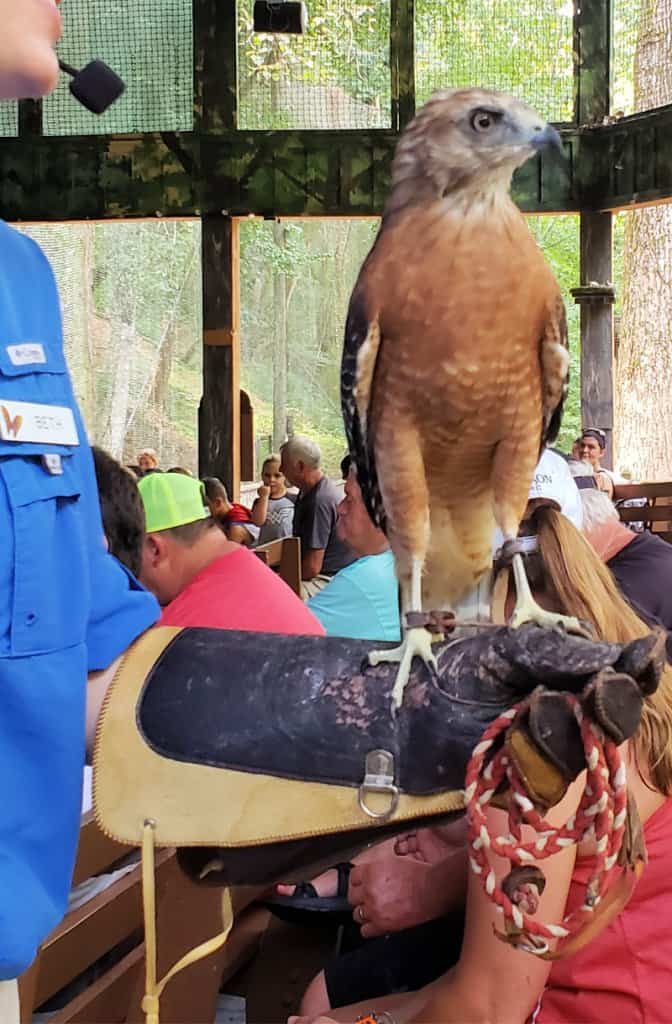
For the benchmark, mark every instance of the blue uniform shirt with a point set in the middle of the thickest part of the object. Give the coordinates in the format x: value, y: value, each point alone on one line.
x: 361, y: 601
x: 66, y: 607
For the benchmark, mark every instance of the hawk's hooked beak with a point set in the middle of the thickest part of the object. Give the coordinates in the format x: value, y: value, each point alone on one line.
x: 546, y: 138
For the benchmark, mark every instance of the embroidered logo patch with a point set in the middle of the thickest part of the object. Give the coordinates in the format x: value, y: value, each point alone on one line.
x: 12, y: 423
x: 37, y: 423
x: 26, y: 353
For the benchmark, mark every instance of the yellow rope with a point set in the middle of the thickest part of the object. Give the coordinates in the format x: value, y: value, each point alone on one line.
x: 154, y: 989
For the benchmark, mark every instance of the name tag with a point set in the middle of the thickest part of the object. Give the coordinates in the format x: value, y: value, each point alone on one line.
x: 26, y: 354
x: 37, y: 424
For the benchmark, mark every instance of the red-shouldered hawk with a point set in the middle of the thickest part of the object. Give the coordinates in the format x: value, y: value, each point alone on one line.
x: 455, y: 362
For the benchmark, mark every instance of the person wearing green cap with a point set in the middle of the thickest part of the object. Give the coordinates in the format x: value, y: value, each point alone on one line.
x: 200, y: 577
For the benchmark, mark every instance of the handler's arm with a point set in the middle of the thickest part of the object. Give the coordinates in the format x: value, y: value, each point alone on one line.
x: 493, y: 982
x: 97, y: 687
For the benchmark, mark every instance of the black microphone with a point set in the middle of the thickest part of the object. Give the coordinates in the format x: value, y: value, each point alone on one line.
x: 96, y: 86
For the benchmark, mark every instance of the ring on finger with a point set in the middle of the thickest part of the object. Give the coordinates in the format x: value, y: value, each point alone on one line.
x: 361, y: 916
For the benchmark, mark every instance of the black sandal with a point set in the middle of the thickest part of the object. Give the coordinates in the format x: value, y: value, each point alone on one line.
x: 304, y: 906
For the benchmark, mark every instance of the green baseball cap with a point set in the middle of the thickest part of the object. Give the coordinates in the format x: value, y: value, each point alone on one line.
x: 170, y: 500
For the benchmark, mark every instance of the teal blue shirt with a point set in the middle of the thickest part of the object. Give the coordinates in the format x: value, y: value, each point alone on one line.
x: 361, y: 601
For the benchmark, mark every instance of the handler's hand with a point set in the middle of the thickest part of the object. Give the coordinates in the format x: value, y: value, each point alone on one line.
x: 391, y: 894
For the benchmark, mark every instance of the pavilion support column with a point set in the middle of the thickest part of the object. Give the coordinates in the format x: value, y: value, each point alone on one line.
x: 596, y: 297
x: 402, y: 62
x: 219, y: 413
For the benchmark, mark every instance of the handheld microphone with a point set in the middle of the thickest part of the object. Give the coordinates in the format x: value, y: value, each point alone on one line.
x: 96, y: 86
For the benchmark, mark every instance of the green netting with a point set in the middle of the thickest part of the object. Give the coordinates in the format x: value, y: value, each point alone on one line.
x: 523, y: 48
x: 642, y: 76
x: 133, y: 340
x: 9, y: 119
x: 148, y: 43
x: 337, y: 75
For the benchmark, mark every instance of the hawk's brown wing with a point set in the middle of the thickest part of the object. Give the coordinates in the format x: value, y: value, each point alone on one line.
x: 358, y: 366
x: 554, y: 360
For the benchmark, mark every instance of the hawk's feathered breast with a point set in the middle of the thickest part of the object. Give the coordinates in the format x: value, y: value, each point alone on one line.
x: 455, y: 363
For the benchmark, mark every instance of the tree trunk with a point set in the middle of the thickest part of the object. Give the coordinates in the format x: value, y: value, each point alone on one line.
x: 280, y: 345
x: 118, y: 399
x: 644, y: 364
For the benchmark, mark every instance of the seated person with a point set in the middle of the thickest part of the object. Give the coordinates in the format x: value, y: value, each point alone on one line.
x: 273, y: 509
x: 233, y: 518
x: 200, y: 577
x: 362, y: 600
x: 323, y: 554
x: 121, y: 509
x: 641, y: 562
x: 147, y: 460
x: 603, y: 981
x: 593, y: 444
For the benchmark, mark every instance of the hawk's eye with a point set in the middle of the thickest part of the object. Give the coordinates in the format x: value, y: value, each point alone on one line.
x: 484, y: 120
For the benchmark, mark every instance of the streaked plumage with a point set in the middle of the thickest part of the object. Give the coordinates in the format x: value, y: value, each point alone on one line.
x: 455, y: 357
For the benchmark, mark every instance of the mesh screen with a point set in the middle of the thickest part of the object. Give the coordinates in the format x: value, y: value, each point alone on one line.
x: 133, y: 341
x: 523, y: 48
x: 9, y: 119
x: 148, y: 43
x: 296, y: 279
x: 642, y: 76
x: 337, y: 75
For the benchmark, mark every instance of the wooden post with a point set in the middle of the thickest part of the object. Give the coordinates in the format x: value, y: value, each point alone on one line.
x: 215, y: 66
x: 592, y: 51
x: 219, y: 413
x: 592, y: 60
x: 402, y: 62
x: 596, y: 297
x: 30, y: 118
x: 215, y: 112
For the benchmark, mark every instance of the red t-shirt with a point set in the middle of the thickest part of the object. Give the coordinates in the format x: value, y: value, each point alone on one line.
x: 624, y: 976
x: 237, y: 591
x: 238, y: 514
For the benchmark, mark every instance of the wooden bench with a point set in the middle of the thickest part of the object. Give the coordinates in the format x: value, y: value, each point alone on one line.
x: 285, y: 556
x: 187, y: 914
x: 656, y: 514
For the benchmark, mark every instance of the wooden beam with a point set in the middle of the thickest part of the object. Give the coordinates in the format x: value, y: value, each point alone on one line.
x: 182, y: 174
x: 597, y: 331
x: 628, y: 163
x: 219, y: 412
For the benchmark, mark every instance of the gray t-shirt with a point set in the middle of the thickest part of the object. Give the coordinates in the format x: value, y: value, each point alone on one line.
x: 315, y: 525
x: 279, y: 519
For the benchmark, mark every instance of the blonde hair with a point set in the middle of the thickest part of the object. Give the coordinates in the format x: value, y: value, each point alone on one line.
x: 273, y: 458
x: 585, y: 588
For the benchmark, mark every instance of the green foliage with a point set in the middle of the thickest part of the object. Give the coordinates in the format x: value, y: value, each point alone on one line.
x: 335, y: 76
x: 130, y: 293
x: 524, y: 48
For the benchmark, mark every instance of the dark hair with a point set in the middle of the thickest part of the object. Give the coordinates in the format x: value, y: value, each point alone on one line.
x: 121, y: 508
x: 599, y: 436
x: 214, y: 488
x: 189, y: 533
x: 181, y: 470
